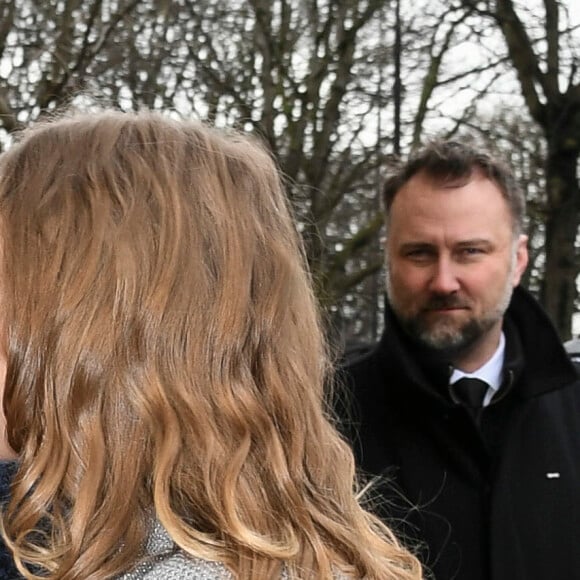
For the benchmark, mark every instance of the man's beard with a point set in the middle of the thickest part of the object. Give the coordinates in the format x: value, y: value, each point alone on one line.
x: 447, y: 337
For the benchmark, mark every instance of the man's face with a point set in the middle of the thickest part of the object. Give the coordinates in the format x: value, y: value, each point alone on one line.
x: 452, y: 262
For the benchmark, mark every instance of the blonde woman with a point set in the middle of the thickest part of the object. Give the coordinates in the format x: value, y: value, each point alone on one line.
x: 165, y: 365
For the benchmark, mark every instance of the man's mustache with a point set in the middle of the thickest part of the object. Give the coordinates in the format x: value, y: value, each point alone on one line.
x: 438, y: 302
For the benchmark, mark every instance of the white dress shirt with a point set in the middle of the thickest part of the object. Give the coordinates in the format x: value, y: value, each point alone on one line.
x: 491, y: 372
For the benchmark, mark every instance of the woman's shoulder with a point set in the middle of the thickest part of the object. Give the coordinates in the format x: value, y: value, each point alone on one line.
x: 179, y: 566
x: 165, y: 561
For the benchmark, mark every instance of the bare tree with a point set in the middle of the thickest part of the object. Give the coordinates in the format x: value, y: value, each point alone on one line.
x: 312, y: 78
x: 51, y: 50
x: 297, y: 73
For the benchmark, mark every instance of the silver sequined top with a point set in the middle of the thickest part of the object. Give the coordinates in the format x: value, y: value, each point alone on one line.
x: 179, y: 567
x: 165, y: 563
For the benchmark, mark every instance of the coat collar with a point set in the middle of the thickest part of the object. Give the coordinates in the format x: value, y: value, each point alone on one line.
x: 535, y: 363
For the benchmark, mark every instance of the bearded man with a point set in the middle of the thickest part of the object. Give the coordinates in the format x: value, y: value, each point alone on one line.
x: 469, y: 406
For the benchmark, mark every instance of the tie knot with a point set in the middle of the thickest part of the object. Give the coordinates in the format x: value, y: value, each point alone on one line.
x: 469, y: 392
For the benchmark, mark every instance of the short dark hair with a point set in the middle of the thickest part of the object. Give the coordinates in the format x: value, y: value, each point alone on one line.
x: 452, y: 162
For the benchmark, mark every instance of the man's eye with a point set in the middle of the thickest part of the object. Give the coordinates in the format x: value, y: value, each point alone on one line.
x: 472, y: 251
x: 419, y: 254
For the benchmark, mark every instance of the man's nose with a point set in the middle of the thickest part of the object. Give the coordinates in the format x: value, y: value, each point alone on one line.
x: 444, y: 279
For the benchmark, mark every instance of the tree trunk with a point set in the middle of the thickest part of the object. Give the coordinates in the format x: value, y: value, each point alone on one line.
x: 559, y: 288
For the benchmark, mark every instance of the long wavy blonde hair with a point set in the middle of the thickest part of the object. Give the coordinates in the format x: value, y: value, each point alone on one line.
x: 165, y: 360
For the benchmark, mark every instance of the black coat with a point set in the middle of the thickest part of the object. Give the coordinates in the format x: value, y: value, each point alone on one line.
x: 7, y: 567
x: 501, y: 502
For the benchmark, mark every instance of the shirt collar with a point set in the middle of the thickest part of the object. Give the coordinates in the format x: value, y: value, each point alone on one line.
x: 491, y: 372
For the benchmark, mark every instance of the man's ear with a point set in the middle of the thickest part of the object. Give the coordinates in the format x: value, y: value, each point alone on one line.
x: 521, y: 258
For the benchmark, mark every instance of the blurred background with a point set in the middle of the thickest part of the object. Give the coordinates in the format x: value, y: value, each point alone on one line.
x: 336, y: 88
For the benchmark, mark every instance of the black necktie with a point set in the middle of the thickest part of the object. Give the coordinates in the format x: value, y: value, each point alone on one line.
x: 470, y: 392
